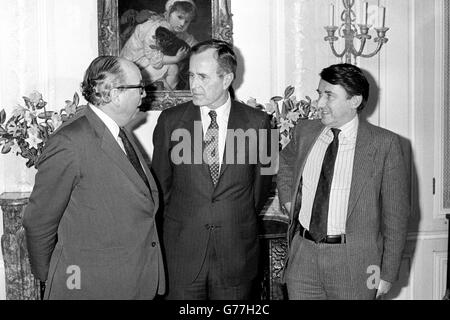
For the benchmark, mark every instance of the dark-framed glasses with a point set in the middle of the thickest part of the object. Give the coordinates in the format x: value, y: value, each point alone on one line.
x: 140, y: 86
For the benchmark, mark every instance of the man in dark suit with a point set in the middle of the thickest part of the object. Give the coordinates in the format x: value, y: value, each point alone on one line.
x: 90, y: 222
x: 348, y: 182
x: 214, y: 188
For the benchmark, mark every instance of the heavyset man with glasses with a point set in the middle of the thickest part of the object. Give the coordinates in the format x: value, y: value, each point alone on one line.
x: 90, y: 223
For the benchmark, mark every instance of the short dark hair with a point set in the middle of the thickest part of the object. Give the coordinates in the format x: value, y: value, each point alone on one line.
x: 225, y: 56
x: 103, y: 74
x: 185, y: 7
x: 351, y: 78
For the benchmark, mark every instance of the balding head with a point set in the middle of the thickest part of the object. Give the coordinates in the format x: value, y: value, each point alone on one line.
x: 103, y: 74
x: 106, y: 85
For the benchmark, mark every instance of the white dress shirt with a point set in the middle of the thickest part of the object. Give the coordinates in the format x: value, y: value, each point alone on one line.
x: 110, y: 124
x: 342, y: 177
x: 223, y: 113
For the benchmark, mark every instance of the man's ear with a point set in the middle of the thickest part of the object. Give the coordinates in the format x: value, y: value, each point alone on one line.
x: 227, y: 80
x: 356, y: 101
x: 114, y: 96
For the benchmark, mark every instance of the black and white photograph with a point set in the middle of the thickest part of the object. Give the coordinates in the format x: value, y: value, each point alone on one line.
x: 225, y: 158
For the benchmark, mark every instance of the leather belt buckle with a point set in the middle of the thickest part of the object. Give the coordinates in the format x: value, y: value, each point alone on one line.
x: 335, y: 239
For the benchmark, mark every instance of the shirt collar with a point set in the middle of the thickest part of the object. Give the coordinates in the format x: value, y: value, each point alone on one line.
x: 107, y: 120
x: 222, y: 112
x: 348, y: 130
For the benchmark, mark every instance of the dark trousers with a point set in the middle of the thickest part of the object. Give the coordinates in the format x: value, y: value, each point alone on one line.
x: 209, y: 284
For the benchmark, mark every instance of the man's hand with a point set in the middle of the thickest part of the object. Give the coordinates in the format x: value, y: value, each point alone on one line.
x: 383, y: 288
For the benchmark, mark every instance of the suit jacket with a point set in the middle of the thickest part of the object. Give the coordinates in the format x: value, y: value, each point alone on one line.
x: 379, y: 202
x: 91, y: 212
x: 197, y: 213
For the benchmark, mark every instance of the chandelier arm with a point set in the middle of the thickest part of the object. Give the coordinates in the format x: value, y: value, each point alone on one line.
x: 361, y: 48
x: 339, y: 55
x: 370, y: 55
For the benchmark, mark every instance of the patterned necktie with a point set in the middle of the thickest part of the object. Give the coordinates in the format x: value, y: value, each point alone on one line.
x: 319, y: 215
x: 212, y: 147
x: 132, y: 156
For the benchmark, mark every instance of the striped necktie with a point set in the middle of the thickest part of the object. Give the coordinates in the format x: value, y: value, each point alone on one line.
x: 319, y: 215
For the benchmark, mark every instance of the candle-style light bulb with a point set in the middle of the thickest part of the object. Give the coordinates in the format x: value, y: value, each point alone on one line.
x: 331, y: 17
x: 383, y: 16
x: 365, y: 10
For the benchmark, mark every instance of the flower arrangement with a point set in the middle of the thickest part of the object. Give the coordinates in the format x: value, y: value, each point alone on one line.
x: 292, y: 110
x: 30, y: 126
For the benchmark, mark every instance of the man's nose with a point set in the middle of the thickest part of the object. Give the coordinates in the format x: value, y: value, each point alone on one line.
x: 193, y: 83
x: 321, y: 102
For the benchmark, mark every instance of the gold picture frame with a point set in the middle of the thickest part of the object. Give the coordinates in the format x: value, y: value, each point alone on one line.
x: 109, y: 43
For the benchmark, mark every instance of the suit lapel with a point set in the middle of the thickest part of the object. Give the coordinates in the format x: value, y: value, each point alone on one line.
x: 151, y: 181
x: 362, y: 164
x: 112, y: 149
x: 188, y: 121
x: 305, y: 144
x: 237, y: 120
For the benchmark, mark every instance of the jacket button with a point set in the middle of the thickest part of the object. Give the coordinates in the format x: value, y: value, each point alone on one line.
x: 153, y: 244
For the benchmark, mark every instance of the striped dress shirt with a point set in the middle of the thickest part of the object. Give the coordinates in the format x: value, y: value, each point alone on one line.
x: 342, y: 177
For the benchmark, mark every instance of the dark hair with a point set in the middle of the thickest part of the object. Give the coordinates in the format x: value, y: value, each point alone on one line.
x: 225, y: 56
x: 351, y: 78
x: 185, y: 7
x: 103, y: 74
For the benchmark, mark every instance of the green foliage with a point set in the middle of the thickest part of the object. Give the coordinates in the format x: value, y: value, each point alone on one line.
x: 29, y: 127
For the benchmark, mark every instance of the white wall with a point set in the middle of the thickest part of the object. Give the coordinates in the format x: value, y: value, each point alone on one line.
x: 46, y: 46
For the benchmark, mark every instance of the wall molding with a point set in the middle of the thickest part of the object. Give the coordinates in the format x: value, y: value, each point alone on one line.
x: 440, y: 261
x: 427, y: 235
x: 441, y: 70
x: 278, y: 46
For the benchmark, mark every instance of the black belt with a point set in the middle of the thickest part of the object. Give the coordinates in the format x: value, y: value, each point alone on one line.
x: 328, y: 239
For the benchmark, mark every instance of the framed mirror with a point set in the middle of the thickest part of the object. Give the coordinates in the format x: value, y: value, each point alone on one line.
x: 121, y: 22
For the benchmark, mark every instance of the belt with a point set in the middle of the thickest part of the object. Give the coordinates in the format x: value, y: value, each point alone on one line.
x: 328, y: 239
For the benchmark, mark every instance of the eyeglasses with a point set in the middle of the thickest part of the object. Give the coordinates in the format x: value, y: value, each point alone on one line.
x: 133, y: 86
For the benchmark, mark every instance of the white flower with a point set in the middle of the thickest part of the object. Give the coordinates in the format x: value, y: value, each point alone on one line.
x: 28, y: 116
x: 33, y: 141
x: 293, y: 116
x: 56, y: 120
x: 285, y: 125
x: 35, y: 97
x: 271, y: 107
x: 284, y: 140
x: 252, y: 102
x: 33, y: 137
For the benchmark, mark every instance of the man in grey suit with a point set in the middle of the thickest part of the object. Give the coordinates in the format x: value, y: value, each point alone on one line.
x: 343, y: 182
x: 211, y: 206
x: 90, y: 221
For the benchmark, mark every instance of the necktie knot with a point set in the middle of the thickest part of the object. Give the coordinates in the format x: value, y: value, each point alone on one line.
x: 213, y: 116
x: 122, y: 134
x: 335, y: 133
